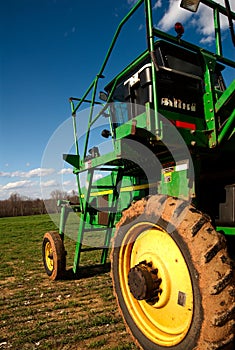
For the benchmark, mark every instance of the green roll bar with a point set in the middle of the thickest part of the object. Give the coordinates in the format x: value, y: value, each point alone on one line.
x: 151, y: 34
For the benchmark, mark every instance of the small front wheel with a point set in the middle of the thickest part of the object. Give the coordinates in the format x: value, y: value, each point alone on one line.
x: 53, y: 255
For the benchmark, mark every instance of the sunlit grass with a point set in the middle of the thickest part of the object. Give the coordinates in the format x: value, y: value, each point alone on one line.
x: 37, y: 313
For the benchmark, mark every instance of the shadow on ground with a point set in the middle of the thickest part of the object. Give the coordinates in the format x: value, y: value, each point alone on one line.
x: 87, y: 271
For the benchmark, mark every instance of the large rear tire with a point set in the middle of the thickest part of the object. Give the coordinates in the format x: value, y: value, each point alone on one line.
x: 172, y: 277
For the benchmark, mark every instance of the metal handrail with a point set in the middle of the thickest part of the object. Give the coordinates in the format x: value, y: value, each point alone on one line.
x: 151, y: 33
x: 94, y: 83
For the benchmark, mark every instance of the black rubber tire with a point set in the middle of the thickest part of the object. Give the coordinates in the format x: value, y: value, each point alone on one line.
x: 58, y: 255
x: 209, y: 266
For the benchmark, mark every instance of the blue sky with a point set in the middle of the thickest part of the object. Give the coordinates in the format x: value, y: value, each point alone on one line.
x: 51, y: 50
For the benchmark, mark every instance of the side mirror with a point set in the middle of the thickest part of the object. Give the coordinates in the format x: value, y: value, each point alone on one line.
x: 103, y: 96
x: 190, y: 5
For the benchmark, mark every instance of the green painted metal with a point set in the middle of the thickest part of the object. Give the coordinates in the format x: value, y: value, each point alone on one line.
x: 226, y: 97
x: 151, y: 32
x: 112, y: 214
x: 227, y: 129
x: 150, y: 38
x: 63, y: 216
x: 226, y: 230
x: 175, y: 183
x: 209, y: 98
x: 100, y: 73
x: 222, y: 105
x: 83, y: 219
x: 91, y: 114
x: 205, y: 133
x: 72, y: 159
x: 217, y: 32
x: 161, y: 35
x: 90, y: 216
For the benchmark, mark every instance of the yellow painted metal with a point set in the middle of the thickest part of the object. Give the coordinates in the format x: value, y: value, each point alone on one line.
x: 166, y: 322
x: 49, y: 256
x: 123, y: 189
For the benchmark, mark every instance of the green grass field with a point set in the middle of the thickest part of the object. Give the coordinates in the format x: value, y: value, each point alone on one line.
x: 36, y: 313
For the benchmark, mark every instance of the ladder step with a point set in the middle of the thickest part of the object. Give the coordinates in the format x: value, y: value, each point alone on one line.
x: 96, y: 229
x: 107, y: 209
x: 103, y: 187
x: 91, y: 249
x: 107, y: 169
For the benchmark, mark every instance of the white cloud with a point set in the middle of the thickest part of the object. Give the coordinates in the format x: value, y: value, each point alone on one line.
x: 27, y: 183
x: 18, y: 174
x: 40, y: 172
x: 66, y: 171
x: 232, y: 3
x: 28, y: 174
x: 49, y: 183
x: 16, y: 185
x: 202, y: 20
x: 98, y: 176
x: 173, y: 14
x: 67, y: 183
x: 157, y: 4
x: 204, y: 23
x: 207, y: 40
x: 4, y: 174
x: 131, y: 2
x: 25, y: 188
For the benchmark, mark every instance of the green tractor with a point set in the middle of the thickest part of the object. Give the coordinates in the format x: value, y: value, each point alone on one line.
x: 165, y: 202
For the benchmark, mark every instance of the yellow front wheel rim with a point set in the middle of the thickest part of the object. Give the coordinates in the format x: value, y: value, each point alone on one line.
x: 49, y: 256
x: 166, y: 321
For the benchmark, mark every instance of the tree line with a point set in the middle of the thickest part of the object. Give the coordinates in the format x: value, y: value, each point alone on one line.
x: 17, y: 205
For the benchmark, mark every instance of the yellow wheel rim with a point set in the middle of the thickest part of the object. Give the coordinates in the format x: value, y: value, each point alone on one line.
x: 49, y: 256
x: 167, y: 321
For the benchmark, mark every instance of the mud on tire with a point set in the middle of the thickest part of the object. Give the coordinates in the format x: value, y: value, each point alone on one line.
x: 209, y: 266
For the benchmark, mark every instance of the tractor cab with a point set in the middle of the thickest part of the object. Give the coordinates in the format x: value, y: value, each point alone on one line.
x: 179, y: 84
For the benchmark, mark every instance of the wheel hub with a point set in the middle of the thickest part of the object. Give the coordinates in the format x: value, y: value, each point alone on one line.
x: 49, y: 256
x: 144, y: 282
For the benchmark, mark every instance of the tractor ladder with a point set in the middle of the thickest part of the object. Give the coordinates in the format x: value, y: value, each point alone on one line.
x: 98, y: 211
